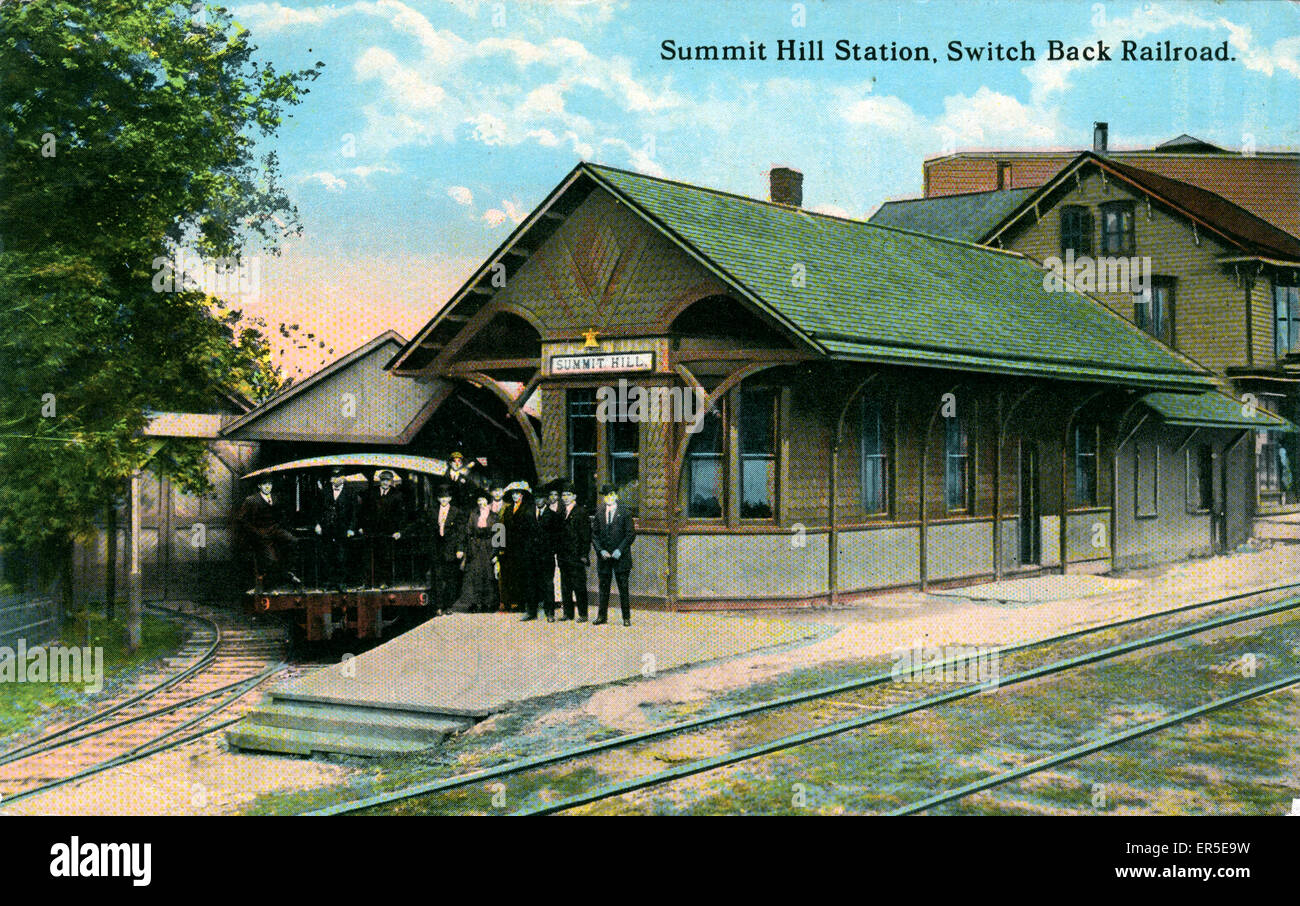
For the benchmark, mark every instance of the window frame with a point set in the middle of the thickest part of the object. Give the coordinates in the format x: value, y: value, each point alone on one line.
x: 1150, y: 301
x: 1128, y: 245
x: 772, y: 457
x: 1080, y: 456
x: 1081, y: 231
x: 967, y: 457
x: 1283, y: 344
x: 871, y: 405
x: 573, y: 456
x: 1197, y: 504
x: 720, y: 459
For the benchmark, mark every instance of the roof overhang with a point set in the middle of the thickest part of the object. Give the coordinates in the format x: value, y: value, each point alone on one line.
x: 1213, y: 410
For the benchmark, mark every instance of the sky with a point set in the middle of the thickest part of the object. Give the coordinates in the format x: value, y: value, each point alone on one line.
x: 437, y: 125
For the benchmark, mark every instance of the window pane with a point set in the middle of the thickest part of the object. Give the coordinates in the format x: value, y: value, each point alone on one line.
x: 1085, y: 465
x: 705, y: 487
x: 624, y: 437
x: 756, y: 483
x: 758, y: 421
x: 873, y: 454
x: 956, y: 464
x: 582, y: 421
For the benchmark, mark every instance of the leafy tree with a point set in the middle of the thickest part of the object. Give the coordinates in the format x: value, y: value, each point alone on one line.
x: 128, y: 133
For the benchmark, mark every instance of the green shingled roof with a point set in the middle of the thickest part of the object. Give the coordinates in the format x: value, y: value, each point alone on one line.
x: 964, y: 217
x: 880, y: 294
x: 1213, y: 410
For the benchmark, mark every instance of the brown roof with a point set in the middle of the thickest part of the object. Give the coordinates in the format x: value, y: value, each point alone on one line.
x: 1266, y: 184
x: 1251, y: 233
x: 1217, y: 211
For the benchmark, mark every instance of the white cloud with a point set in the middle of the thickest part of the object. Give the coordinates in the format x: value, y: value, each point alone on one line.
x: 886, y: 113
x: 331, y: 182
x: 1048, y: 78
x: 509, y: 210
x: 365, y: 172
x: 461, y: 195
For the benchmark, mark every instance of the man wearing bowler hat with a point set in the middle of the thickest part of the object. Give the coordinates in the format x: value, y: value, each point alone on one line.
x: 612, y: 534
x: 571, y: 538
x: 446, y: 531
x: 337, y: 514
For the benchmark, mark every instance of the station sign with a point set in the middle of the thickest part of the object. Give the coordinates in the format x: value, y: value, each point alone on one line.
x: 601, y: 363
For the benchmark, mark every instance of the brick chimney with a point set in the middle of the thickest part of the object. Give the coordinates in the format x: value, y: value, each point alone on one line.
x: 786, y: 186
x: 1099, y: 138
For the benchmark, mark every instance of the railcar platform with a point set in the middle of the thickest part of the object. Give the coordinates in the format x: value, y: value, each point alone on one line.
x: 442, y: 676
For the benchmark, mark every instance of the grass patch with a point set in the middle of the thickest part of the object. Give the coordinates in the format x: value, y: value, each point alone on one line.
x: 24, y: 706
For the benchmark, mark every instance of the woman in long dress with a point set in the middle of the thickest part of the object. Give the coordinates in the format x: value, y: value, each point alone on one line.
x: 519, y: 559
x: 478, y: 593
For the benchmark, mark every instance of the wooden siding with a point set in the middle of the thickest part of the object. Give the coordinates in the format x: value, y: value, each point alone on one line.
x: 1209, y: 300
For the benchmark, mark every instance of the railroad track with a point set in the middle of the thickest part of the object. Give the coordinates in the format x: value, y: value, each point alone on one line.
x: 194, y: 693
x: 891, y: 705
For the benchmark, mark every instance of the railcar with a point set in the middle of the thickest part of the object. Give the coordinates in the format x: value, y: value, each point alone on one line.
x: 382, y: 586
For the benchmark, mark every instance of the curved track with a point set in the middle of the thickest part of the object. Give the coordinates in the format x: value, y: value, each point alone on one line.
x: 226, y: 658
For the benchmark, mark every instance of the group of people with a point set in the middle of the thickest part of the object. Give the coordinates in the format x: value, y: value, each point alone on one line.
x: 338, y: 514
x: 489, y: 548
x: 502, y: 552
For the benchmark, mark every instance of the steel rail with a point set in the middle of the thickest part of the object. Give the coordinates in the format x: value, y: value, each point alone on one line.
x: 206, y: 658
x: 151, y: 747
x: 147, y: 715
x: 514, y: 767
x: 797, y: 739
x: 1097, y: 745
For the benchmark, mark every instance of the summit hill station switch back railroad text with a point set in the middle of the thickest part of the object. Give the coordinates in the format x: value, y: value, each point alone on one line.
x: 789, y: 50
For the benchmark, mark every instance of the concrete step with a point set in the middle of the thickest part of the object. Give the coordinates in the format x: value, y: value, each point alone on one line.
x: 382, y: 723
x: 262, y: 738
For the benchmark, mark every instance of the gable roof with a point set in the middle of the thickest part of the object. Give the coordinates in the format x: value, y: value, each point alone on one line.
x: 882, y: 294
x: 1232, y: 223
x: 1189, y: 144
x: 869, y: 293
x: 966, y: 217
x: 1265, y: 183
x: 386, y: 408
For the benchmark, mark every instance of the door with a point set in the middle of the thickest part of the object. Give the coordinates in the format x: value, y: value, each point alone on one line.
x: 1217, y: 489
x: 1031, y: 530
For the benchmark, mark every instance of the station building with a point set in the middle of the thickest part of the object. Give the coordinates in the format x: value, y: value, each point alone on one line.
x: 883, y: 408
x: 1218, y: 228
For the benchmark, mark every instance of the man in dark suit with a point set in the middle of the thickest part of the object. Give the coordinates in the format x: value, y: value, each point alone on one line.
x: 464, y: 486
x: 337, y: 515
x: 446, y: 533
x: 260, y: 534
x: 612, y: 534
x: 387, y: 522
x: 571, y: 533
x: 446, y: 550
x: 548, y: 509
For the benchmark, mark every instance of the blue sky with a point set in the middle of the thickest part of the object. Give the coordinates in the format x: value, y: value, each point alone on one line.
x: 438, y: 124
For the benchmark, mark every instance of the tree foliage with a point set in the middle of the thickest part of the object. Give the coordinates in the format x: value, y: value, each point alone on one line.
x: 128, y: 131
